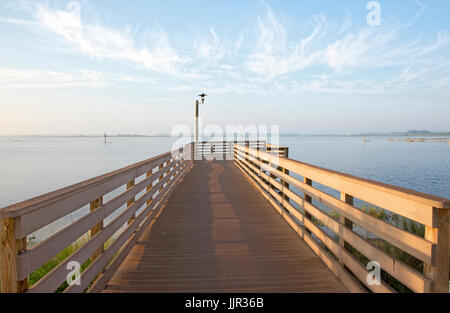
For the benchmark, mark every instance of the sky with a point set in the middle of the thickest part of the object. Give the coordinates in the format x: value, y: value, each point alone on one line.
x: 136, y: 67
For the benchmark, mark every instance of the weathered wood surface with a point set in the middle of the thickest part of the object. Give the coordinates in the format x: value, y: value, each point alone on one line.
x: 268, y: 173
x: 217, y: 234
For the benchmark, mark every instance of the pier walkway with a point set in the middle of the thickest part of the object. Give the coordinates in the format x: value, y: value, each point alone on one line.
x: 217, y: 234
x: 227, y: 216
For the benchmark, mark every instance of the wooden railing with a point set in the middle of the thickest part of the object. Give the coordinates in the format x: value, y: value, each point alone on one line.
x: 291, y: 188
x: 131, y: 197
x: 222, y: 150
x: 280, y: 150
x: 141, y: 190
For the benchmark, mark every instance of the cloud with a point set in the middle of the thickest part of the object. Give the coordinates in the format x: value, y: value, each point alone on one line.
x: 25, y: 79
x: 100, y: 42
x: 274, y: 55
x: 323, y: 56
x: 210, y: 47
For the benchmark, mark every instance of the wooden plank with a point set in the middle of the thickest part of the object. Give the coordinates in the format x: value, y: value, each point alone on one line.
x: 131, y: 201
x: 31, y: 259
x: 350, y: 261
x: 96, y: 267
x: 103, y: 279
x: 397, y: 269
x: 54, y: 278
x: 108, y: 181
x: 411, y: 204
x: 10, y: 247
x: 344, y: 223
x: 45, y: 212
x: 334, y: 266
x: 95, y: 205
x: 439, y: 272
x: 333, y: 246
x: 414, y: 245
x: 215, y: 238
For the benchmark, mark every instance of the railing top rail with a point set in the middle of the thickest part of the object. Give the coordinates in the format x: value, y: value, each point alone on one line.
x: 233, y: 141
x: 269, y: 145
x: 35, y: 203
x: 421, y: 197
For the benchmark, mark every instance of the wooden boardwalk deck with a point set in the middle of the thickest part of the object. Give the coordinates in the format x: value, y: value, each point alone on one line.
x: 217, y: 234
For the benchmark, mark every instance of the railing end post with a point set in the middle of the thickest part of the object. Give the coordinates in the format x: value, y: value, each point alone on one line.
x: 439, y: 273
x: 10, y: 247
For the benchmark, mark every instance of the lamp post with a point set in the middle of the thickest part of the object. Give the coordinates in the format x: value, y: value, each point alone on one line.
x: 196, y: 123
x: 202, y: 96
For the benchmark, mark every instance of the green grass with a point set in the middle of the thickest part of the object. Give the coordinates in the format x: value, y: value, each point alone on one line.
x: 398, y: 254
x: 61, y: 256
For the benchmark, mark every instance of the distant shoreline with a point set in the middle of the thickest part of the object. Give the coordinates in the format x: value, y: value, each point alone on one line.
x: 411, y: 133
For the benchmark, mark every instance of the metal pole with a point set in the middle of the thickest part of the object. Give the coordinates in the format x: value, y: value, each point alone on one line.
x: 196, y: 121
x: 196, y: 127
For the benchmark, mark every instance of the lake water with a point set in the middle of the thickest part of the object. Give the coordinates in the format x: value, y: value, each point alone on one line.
x: 33, y: 166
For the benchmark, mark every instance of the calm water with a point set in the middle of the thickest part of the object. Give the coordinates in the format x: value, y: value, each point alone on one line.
x: 421, y: 166
x: 32, y: 166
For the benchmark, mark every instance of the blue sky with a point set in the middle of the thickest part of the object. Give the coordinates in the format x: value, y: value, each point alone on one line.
x: 309, y: 66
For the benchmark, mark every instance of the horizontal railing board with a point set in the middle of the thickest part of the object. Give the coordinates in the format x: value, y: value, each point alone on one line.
x: 408, y: 203
x: 106, y: 275
x: 44, y: 215
x: 49, y: 283
x: 101, y: 261
x: 34, y: 258
x: 55, y: 277
x: 50, y: 211
x: 402, y: 272
x: 350, y: 283
x: 431, y: 200
x: 354, y: 265
x: 36, y: 203
x: 405, y: 274
x: 128, y: 241
x: 30, y: 222
x: 410, y: 243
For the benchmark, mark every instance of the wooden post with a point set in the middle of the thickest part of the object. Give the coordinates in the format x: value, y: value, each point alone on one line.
x: 224, y: 150
x: 439, y: 273
x: 130, y: 202
x: 259, y: 167
x: 149, y: 187
x: 307, y: 199
x: 344, y: 222
x: 10, y: 248
x: 97, y: 228
x: 285, y: 171
x: 161, y: 177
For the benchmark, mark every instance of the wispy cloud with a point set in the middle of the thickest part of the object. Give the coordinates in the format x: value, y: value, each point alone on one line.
x: 328, y: 57
x: 337, y: 55
x: 25, y: 79
x: 275, y: 56
x: 97, y: 41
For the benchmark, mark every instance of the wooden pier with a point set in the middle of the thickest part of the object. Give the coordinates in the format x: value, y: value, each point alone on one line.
x: 227, y: 217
